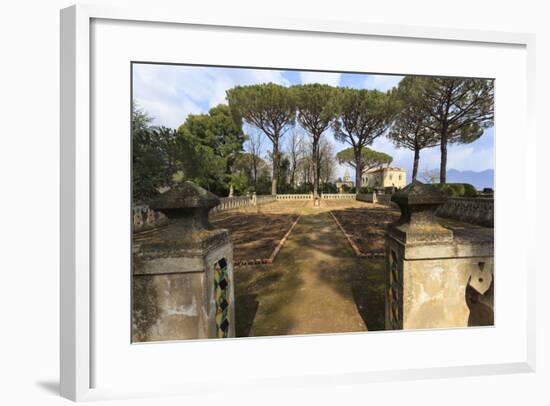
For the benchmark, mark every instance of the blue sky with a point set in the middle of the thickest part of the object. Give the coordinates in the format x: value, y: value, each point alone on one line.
x: 169, y: 93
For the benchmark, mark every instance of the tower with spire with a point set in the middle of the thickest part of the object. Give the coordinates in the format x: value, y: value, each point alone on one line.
x: 347, y: 177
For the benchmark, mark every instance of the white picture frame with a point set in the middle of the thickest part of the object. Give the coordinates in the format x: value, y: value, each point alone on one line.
x: 77, y: 283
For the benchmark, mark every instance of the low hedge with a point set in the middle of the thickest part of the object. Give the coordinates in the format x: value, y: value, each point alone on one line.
x: 457, y: 189
x: 366, y: 189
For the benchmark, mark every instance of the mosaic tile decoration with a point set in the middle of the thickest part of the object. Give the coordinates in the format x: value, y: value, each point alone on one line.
x: 221, y: 296
x: 395, y: 294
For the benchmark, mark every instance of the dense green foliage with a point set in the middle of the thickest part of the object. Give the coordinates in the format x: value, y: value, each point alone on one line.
x: 459, y: 110
x: 153, y: 151
x: 212, y: 143
x: 361, y: 117
x: 412, y: 127
x: 366, y: 189
x: 203, y: 150
x: 213, y: 150
x: 369, y: 158
x: 457, y: 189
x: 268, y: 107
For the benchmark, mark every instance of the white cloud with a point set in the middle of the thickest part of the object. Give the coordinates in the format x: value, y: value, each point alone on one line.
x: 170, y: 92
x: 382, y: 82
x: 328, y: 78
x: 470, y: 158
x: 168, y: 114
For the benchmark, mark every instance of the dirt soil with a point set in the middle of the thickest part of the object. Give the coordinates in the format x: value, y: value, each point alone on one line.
x: 254, y: 235
x: 366, y: 226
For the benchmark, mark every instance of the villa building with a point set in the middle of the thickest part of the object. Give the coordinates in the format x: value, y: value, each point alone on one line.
x: 385, y: 177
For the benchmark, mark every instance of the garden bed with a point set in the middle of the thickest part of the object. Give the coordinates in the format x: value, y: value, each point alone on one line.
x: 256, y: 237
x: 364, y: 228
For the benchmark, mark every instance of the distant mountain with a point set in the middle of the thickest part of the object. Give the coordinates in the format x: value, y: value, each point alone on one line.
x: 480, y: 180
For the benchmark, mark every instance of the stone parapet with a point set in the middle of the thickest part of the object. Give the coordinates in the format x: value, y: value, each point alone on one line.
x: 182, y: 274
x: 475, y: 210
x: 429, y: 267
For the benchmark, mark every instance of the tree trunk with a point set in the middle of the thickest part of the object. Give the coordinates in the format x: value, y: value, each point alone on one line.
x: 415, y: 164
x: 275, y: 174
x: 255, y: 170
x: 358, y: 180
x: 443, y: 167
x: 319, y: 173
x: 315, y: 167
x: 358, y: 171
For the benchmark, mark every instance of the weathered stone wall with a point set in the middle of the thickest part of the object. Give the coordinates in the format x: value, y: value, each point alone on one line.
x: 365, y: 197
x: 182, y: 274
x: 429, y: 288
x: 473, y: 210
x: 384, y: 199
x: 145, y: 219
x: 379, y: 198
x: 174, y: 298
x: 436, y: 276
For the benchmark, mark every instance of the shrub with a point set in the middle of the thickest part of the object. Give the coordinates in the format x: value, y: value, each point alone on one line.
x: 366, y: 189
x: 457, y: 189
x: 328, y: 188
x: 469, y: 190
x: 347, y: 189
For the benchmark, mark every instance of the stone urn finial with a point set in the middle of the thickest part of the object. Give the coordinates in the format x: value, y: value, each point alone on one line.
x: 418, y: 203
x: 188, y: 203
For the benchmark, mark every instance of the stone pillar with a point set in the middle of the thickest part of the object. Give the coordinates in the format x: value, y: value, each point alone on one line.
x: 429, y: 268
x: 182, y: 284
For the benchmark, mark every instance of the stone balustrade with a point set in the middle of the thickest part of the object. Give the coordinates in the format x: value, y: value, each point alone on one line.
x: 303, y: 196
x: 263, y: 199
x: 144, y: 218
x: 230, y: 203
x: 475, y: 210
x: 338, y: 196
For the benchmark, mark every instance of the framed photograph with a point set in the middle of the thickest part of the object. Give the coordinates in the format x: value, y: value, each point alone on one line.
x: 238, y: 208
